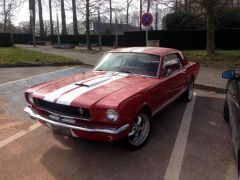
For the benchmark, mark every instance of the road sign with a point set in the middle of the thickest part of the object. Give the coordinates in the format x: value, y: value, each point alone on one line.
x: 147, y: 19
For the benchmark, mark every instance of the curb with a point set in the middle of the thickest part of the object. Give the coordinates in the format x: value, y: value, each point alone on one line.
x: 210, y: 88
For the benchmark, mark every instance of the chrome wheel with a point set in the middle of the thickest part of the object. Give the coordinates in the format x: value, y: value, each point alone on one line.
x: 188, y: 94
x: 140, y: 131
x: 190, y: 89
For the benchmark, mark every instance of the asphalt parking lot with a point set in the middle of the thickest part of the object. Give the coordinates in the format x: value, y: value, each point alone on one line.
x: 188, y: 141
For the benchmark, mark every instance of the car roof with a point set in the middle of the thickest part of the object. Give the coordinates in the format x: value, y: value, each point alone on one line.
x: 161, y: 51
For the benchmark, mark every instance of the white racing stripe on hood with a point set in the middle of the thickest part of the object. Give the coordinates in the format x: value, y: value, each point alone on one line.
x: 51, y: 97
x: 67, y: 98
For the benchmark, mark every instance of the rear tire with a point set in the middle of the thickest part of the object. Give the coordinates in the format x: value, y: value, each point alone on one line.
x: 139, y: 135
x: 188, y: 95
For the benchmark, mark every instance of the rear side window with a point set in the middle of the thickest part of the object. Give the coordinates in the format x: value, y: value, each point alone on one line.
x: 173, y: 62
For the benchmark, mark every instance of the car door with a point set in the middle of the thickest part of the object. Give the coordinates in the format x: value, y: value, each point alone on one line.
x: 233, y: 96
x: 175, y: 73
x: 170, y: 83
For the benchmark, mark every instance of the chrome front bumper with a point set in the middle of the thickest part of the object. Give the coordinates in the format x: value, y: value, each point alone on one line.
x: 36, y: 116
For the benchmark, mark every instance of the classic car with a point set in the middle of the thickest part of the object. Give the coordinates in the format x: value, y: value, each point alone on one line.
x: 232, y: 111
x: 117, y: 99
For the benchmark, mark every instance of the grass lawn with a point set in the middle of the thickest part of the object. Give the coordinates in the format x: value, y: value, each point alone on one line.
x: 223, y: 59
x: 16, y: 56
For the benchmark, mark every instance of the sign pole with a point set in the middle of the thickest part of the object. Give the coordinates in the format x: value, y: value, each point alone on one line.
x: 146, y: 35
x: 147, y: 20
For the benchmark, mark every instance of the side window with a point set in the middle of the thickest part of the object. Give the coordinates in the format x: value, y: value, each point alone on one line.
x: 172, y: 63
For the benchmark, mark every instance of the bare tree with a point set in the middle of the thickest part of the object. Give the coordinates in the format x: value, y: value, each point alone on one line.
x: 75, y: 21
x: 156, y: 16
x: 64, y: 26
x: 140, y: 24
x: 89, y: 9
x: 128, y: 4
x: 8, y: 8
x: 110, y: 11
x: 32, y: 15
x: 148, y: 5
x: 211, y: 8
x: 88, y: 41
x: 40, y: 18
x: 5, y: 17
x: 50, y: 14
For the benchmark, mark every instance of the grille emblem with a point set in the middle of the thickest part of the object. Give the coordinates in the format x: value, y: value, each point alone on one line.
x: 81, y: 111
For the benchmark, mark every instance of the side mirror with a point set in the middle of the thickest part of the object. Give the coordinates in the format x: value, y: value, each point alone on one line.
x: 229, y: 74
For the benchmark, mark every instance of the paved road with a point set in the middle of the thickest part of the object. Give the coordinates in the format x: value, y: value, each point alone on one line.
x: 86, y: 58
x: 12, y: 74
x: 31, y: 152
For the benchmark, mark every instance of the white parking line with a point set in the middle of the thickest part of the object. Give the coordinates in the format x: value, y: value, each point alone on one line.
x: 9, y: 125
x: 176, y: 159
x: 35, y: 76
x: 18, y: 135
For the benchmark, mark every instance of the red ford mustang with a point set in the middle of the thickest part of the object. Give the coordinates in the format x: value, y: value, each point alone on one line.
x: 117, y: 98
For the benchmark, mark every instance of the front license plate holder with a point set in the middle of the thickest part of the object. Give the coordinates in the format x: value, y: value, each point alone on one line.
x: 61, y: 130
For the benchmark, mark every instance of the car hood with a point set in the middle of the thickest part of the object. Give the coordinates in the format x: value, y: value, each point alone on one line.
x: 84, y: 90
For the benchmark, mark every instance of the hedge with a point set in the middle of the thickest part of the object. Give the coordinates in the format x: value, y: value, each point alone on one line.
x: 180, y: 39
x: 5, y: 40
x: 185, y: 39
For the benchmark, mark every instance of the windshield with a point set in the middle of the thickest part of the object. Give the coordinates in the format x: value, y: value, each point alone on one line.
x: 135, y: 63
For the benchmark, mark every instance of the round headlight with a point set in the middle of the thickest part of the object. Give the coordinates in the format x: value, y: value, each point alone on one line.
x: 30, y: 99
x: 112, y: 115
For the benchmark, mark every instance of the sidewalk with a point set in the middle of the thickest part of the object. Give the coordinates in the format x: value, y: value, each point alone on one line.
x: 209, y: 78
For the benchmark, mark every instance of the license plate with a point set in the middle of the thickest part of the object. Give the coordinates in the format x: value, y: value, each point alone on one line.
x: 61, y: 130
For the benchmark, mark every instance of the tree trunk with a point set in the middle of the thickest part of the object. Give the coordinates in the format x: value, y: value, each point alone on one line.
x: 40, y: 18
x: 99, y: 30
x: 210, y: 33
x: 148, y: 5
x: 140, y: 22
x: 75, y: 21
x: 51, y: 20
x: 156, y: 17
x: 110, y: 4
x: 5, y: 16
x: 127, y: 13
x: 88, y: 40
x: 32, y: 19
x: 64, y: 26
x: 186, y: 5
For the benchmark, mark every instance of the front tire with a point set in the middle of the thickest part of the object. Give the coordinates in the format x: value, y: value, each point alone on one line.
x: 139, y: 135
x: 188, y: 95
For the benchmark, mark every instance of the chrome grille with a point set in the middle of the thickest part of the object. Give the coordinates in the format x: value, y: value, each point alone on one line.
x: 61, y: 109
